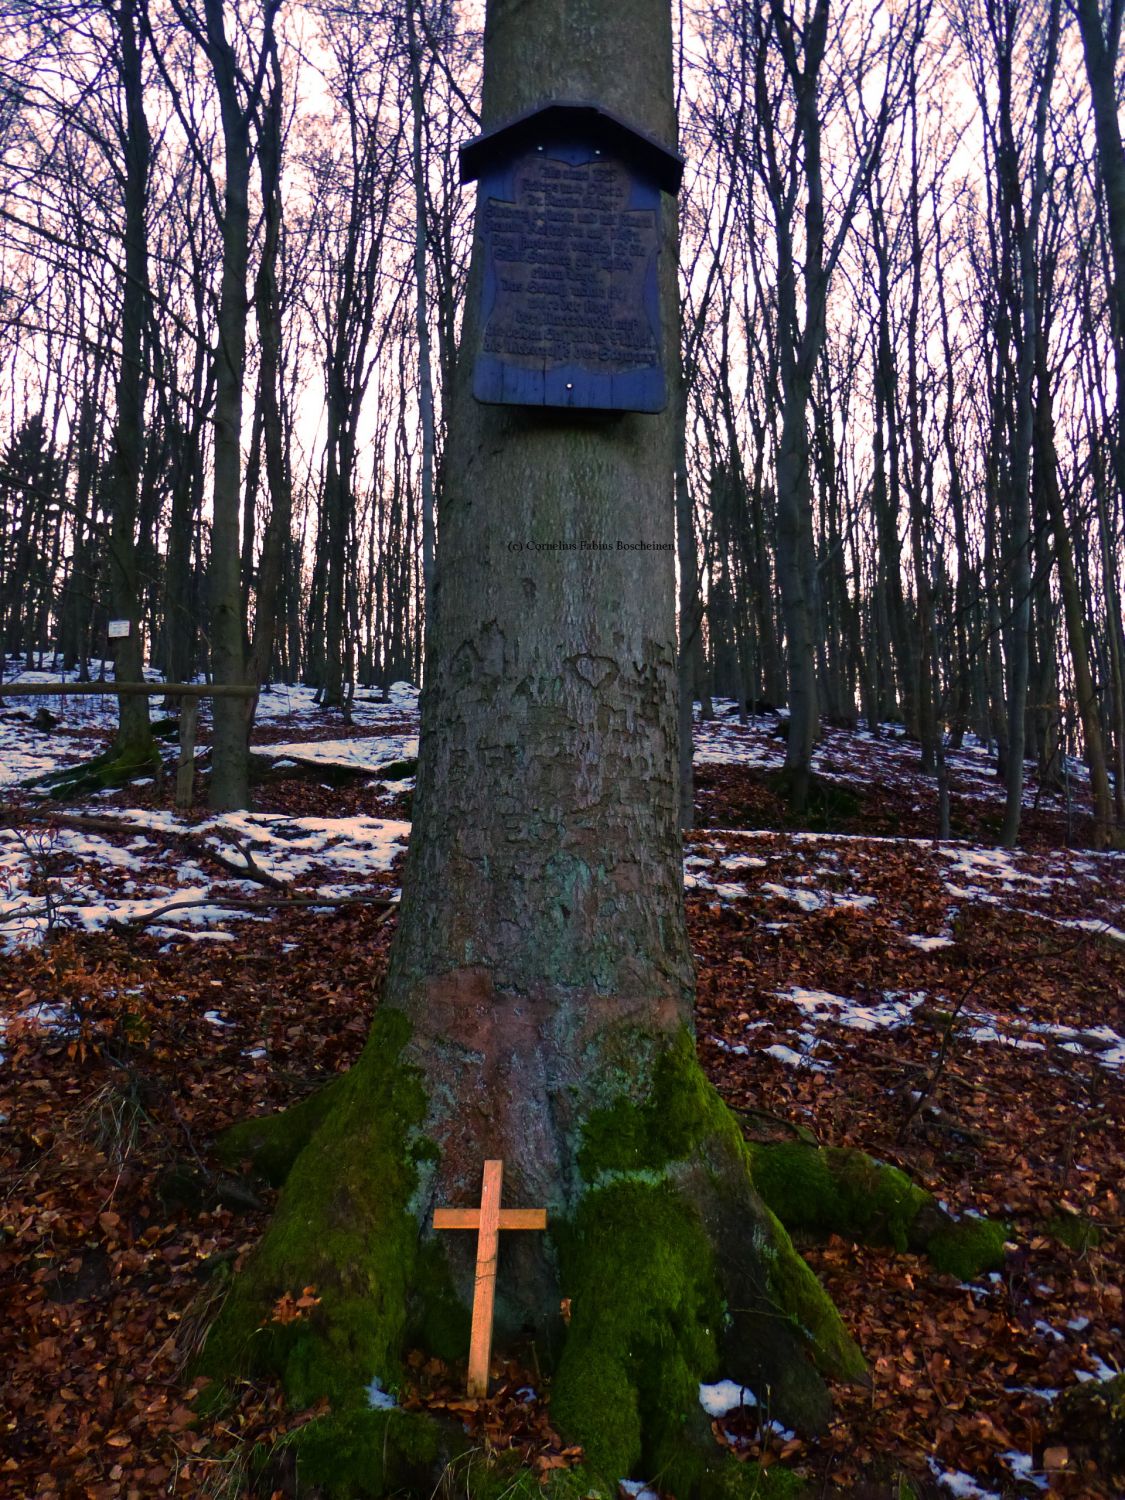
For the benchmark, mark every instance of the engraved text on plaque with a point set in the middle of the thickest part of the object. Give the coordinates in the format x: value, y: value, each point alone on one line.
x: 570, y: 308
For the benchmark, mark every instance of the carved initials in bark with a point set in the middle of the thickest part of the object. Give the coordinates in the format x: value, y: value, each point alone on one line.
x: 488, y: 1220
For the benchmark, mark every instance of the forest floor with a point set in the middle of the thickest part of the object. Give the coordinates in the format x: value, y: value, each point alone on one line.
x: 951, y: 1007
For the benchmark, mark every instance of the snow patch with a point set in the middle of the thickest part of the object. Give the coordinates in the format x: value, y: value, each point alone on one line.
x: 962, y: 1485
x: 378, y: 1398
x: 927, y: 944
x: 725, y: 1396
x: 820, y: 1005
x: 1023, y: 1468
x: 793, y: 1059
x: 370, y: 753
x: 806, y: 900
x: 1101, y: 1370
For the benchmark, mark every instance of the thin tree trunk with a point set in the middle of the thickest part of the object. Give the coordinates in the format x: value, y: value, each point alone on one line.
x: 230, y: 761
x: 134, y: 737
x: 421, y: 318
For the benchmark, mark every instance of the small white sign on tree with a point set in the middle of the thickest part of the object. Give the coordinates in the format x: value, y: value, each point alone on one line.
x: 119, y: 629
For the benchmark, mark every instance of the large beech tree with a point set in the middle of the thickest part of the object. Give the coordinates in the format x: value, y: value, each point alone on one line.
x: 538, y: 1005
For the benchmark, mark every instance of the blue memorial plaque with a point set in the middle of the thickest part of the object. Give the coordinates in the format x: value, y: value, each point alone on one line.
x: 569, y: 218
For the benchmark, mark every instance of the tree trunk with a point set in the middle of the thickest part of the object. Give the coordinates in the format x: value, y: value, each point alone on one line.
x: 690, y: 618
x: 134, y: 738
x: 794, y: 569
x: 268, y: 310
x: 421, y: 310
x: 538, y: 1002
x: 1075, y: 619
x: 1100, y: 49
x: 230, y: 761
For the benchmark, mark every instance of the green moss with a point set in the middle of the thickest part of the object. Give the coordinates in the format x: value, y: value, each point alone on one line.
x: 1075, y: 1231
x: 354, y: 1454
x: 272, y: 1143
x: 1090, y: 1419
x: 670, y: 1135
x: 484, y: 1476
x: 343, y: 1226
x: 438, y: 1320
x: 398, y: 770
x: 647, y: 1319
x: 646, y: 1313
x: 834, y: 1190
x: 734, y: 1481
x: 800, y: 1297
x: 112, y: 768
x: 968, y: 1247
x: 680, y: 1111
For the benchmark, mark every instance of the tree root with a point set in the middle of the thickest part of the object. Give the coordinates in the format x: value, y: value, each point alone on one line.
x: 113, y: 768
x: 835, y: 1190
x: 674, y: 1270
x: 670, y: 1255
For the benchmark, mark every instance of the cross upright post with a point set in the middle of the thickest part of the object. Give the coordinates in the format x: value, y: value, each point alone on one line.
x: 487, y: 1220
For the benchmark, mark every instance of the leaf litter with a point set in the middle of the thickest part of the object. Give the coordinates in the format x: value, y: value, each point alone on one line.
x: 125, y: 1052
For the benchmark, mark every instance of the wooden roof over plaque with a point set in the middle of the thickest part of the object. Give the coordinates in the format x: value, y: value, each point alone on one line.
x: 569, y: 214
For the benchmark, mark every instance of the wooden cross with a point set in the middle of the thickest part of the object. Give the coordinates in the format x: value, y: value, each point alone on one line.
x: 487, y: 1220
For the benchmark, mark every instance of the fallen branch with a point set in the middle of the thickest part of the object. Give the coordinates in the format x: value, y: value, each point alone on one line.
x: 802, y: 1132
x: 246, y: 903
x: 195, y: 843
x: 973, y: 984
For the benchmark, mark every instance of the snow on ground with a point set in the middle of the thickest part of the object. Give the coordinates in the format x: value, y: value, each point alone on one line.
x: 819, y: 875
x: 964, y: 1486
x: 726, y: 1396
x: 792, y: 1059
x: 894, y: 1010
x: 85, y: 724
x: 67, y: 877
x: 283, y: 703
x: 372, y: 753
x: 83, y: 879
x: 719, y: 742
x: 816, y: 900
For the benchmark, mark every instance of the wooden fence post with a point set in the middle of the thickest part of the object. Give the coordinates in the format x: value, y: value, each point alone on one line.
x: 185, y: 767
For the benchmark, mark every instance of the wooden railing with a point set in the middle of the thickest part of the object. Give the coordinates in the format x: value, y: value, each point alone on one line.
x: 190, y: 692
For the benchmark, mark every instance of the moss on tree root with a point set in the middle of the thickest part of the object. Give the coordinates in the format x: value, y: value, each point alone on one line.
x: 675, y: 1272
x: 113, y: 768
x: 837, y: 1190
x: 272, y: 1143
x: 1090, y: 1419
x: 343, y: 1225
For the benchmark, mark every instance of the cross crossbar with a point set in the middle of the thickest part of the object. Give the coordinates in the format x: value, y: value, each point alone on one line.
x: 487, y: 1220
x: 510, y: 1218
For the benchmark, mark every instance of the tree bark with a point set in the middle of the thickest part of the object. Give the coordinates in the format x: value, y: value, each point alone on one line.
x: 134, y: 737
x: 538, y: 1002
x: 230, y: 761
x: 1077, y: 637
x: 1100, y: 49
